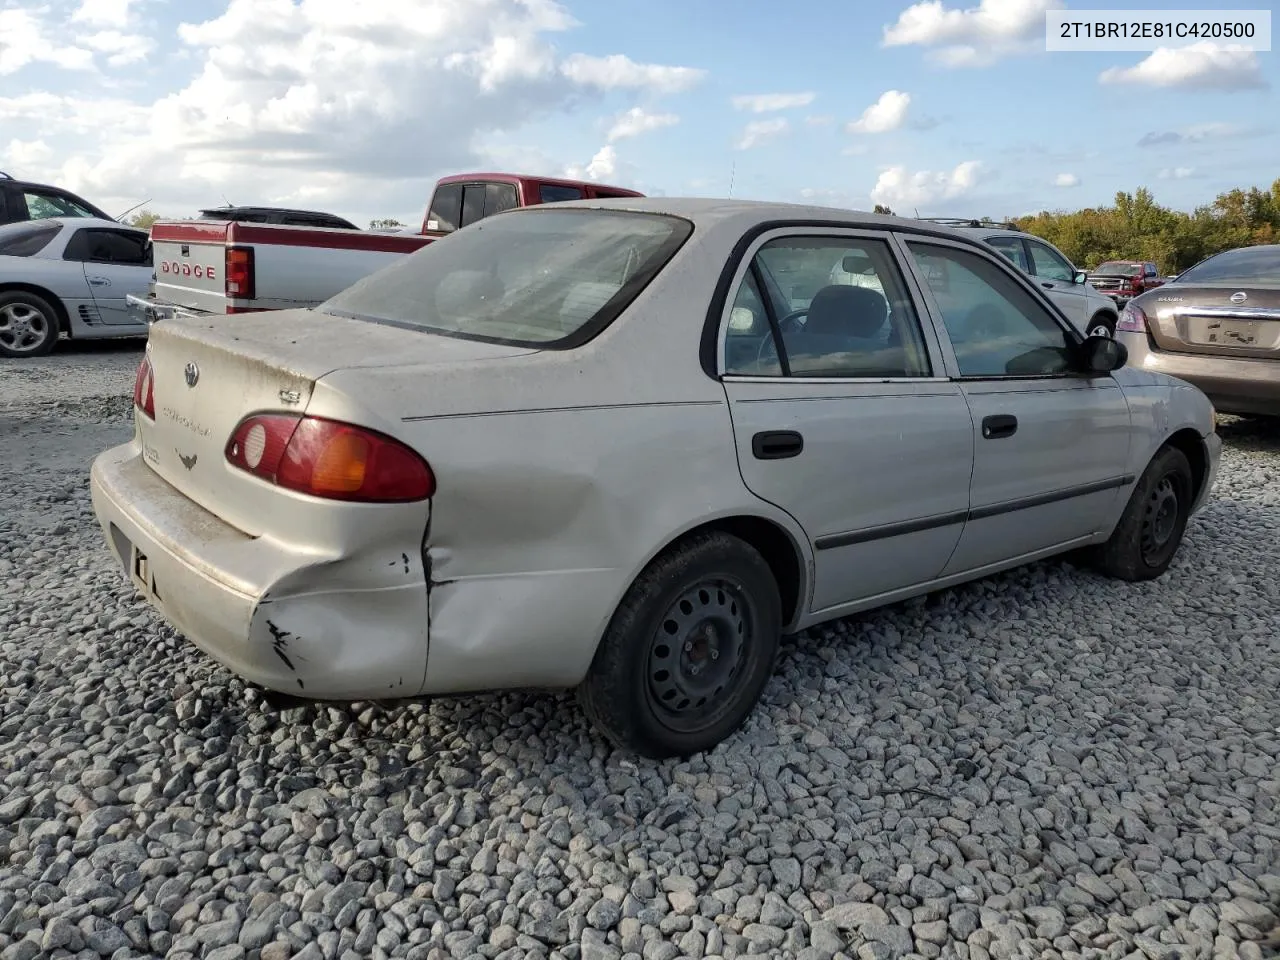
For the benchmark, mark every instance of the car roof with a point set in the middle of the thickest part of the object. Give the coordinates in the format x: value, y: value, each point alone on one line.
x: 745, y: 214
x: 74, y: 222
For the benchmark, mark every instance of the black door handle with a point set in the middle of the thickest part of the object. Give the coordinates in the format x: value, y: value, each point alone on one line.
x: 1048, y: 284
x: 776, y: 444
x: 999, y: 426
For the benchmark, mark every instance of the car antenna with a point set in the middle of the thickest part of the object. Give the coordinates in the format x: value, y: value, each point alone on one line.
x: 133, y: 208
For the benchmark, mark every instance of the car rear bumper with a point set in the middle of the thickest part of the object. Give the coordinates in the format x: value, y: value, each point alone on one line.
x: 287, y: 619
x: 148, y: 310
x: 1233, y: 385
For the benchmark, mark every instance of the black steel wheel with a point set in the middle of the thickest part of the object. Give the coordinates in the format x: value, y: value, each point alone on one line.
x: 688, y: 651
x: 1150, y: 530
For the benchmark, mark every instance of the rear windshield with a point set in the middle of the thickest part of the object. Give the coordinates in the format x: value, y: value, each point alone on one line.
x: 1244, y: 265
x: 27, y: 239
x: 1114, y: 269
x: 538, y: 277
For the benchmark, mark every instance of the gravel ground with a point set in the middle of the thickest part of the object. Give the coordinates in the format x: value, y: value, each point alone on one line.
x: 1044, y: 764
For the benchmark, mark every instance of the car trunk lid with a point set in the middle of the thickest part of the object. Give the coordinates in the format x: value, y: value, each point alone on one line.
x: 208, y: 376
x: 1215, y: 320
x: 190, y: 263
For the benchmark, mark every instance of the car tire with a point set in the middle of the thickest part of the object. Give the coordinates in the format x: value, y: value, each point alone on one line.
x: 1150, y: 530
x: 1102, y: 324
x: 28, y: 325
x: 657, y: 685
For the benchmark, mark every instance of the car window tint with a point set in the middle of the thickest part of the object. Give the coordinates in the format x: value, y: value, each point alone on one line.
x: 27, y: 239
x: 499, y: 197
x: 446, y: 208
x: 554, y: 193
x: 996, y: 327
x: 472, y: 203
x: 841, y: 308
x: 1012, y: 248
x: 1049, y: 264
x: 109, y: 246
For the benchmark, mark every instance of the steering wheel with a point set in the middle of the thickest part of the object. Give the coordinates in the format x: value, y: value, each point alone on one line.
x: 791, y: 318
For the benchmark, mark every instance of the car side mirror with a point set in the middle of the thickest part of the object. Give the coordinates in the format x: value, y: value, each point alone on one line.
x: 1080, y: 277
x: 1101, y: 355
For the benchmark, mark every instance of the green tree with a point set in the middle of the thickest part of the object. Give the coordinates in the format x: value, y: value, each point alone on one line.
x: 385, y: 224
x: 1139, y: 228
x: 882, y: 209
x: 144, y: 219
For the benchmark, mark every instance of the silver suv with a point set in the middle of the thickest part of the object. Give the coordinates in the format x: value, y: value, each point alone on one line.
x: 1092, y: 311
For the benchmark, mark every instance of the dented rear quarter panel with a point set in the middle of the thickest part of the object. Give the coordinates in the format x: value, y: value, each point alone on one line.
x: 560, y: 476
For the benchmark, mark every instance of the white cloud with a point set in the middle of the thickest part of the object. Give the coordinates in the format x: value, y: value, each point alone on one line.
x: 769, y: 102
x: 23, y: 154
x: 1176, y: 173
x: 1066, y: 180
x: 972, y: 36
x: 103, y: 13
x: 26, y: 39
x: 1204, y: 65
x: 897, y: 187
x: 334, y: 103
x: 602, y: 166
x: 621, y: 72
x: 762, y: 131
x: 637, y: 120
x: 887, y: 113
x: 120, y: 48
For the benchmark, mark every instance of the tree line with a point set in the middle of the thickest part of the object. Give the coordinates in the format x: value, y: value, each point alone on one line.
x: 1138, y: 228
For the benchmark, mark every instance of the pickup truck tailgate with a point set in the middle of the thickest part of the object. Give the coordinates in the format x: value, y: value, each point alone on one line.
x: 191, y: 269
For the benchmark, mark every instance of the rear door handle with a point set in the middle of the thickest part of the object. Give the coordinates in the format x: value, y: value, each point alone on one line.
x: 99, y: 282
x: 776, y: 444
x: 999, y: 426
x: 1048, y: 284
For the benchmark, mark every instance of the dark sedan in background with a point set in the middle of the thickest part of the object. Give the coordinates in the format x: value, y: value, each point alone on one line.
x: 1216, y: 326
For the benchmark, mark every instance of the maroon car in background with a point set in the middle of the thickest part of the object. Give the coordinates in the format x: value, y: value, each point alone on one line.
x: 1122, y: 280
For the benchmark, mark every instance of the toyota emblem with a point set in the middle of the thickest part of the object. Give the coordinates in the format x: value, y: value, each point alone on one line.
x: 192, y: 374
x: 1240, y: 297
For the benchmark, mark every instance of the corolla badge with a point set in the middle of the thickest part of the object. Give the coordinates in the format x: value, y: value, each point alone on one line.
x: 191, y: 373
x: 1240, y: 297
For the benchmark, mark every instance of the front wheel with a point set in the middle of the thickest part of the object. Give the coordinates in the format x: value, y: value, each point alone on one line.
x: 1150, y: 530
x: 688, y: 651
x: 1101, y: 325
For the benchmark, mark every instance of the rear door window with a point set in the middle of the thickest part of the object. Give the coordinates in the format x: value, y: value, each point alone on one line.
x: 42, y: 204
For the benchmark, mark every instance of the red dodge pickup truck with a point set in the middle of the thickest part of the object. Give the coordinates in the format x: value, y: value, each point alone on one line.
x: 222, y: 266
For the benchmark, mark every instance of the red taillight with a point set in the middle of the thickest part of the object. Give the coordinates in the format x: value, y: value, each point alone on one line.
x: 330, y: 459
x: 144, y: 389
x: 239, y: 273
x: 1132, y: 319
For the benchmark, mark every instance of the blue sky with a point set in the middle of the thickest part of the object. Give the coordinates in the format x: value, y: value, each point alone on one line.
x: 356, y: 108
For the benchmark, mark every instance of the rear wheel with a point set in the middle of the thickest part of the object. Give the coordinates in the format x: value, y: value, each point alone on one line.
x: 28, y: 325
x: 1150, y: 530
x: 1102, y: 325
x: 688, y: 651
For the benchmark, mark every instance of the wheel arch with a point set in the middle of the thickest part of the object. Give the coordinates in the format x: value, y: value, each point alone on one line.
x: 60, y: 308
x: 776, y: 544
x: 1189, y: 442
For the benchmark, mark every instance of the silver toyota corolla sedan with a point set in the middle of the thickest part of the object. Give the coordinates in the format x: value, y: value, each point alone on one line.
x: 72, y: 275
x: 623, y: 446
